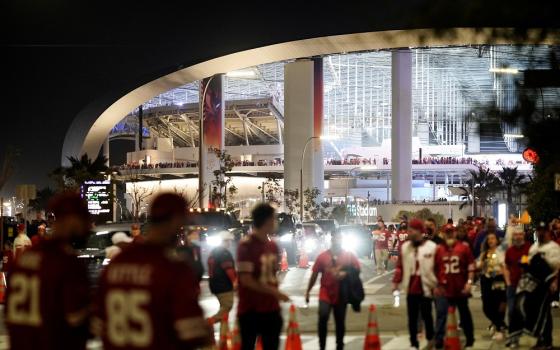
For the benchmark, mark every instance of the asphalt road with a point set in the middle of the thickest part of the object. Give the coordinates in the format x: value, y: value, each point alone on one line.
x: 392, y: 320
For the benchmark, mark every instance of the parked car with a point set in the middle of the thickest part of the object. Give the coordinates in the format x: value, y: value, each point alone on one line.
x: 210, y: 223
x: 93, y: 250
x: 328, y: 226
x: 357, y: 239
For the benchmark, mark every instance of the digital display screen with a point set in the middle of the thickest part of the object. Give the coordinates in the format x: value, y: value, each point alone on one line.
x: 99, y: 199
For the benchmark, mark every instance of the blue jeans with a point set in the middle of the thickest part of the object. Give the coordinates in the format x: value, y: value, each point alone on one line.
x: 514, y: 320
x: 462, y: 305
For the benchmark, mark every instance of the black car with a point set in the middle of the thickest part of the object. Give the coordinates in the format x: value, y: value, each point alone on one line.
x: 93, y: 251
x: 328, y: 226
x: 357, y: 239
x: 210, y: 223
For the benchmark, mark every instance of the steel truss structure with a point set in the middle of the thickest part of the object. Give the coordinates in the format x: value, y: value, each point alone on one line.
x: 451, y: 87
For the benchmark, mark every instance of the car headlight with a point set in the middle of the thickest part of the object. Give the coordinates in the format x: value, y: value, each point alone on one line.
x: 350, y: 243
x: 286, y: 238
x: 310, y: 245
x: 214, y: 241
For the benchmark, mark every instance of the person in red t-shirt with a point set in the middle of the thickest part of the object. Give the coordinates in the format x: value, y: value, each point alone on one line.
x: 454, y: 268
x: 332, y: 265
x: 148, y: 297
x: 136, y: 233
x: 258, y: 309
x: 381, y: 236
x: 402, y: 236
x: 47, y: 302
x: 516, y: 253
x: 40, y: 236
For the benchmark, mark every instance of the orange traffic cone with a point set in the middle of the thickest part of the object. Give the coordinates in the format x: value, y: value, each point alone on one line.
x: 372, y: 341
x: 284, y: 262
x: 235, y: 338
x: 293, y: 339
x: 303, y: 260
x: 259, y: 345
x: 452, y: 341
x: 225, y: 337
x: 2, y: 287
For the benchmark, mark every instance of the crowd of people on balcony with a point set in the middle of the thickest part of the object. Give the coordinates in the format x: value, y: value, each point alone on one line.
x: 356, y: 161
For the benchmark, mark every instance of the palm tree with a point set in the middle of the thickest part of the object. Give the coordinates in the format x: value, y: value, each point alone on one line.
x: 80, y: 170
x: 41, y: 199
x: 512, y: 182
x: 479, y: 190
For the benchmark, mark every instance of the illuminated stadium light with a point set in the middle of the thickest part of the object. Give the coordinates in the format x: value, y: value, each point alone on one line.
x: 242, y: 74
x: 504, y: 70
x: 514, y: 136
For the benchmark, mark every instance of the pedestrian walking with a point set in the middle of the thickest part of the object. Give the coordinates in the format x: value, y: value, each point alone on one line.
x: 136, y: 233
x: 222, y: 276
x: 191, y: 253
x: 148, y: 298
x: 21, y: 242
x: 538, y: 285
x: 516, y: 255
x: 48, y: 302
x: 334, y: 265
x: 415, y: 273
x: 382, y: 236
x: 120, y: 241
x: 454, y: 268
x: 257, y: 265
x: 492, y: 284
x: 40, y: 236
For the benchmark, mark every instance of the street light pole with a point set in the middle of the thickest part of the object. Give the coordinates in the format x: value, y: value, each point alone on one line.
x: 201, y: 152
x: 301, y: 175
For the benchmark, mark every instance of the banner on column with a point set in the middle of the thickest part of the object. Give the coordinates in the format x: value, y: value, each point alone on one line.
x: 213, y: 131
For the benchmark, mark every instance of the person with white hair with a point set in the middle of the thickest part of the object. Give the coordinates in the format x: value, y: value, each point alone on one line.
x: 119, y: 240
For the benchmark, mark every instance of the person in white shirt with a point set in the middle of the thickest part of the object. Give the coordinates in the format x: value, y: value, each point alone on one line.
x: 549, y: 251
x: 120, y: 240
x: 415, y: 273
x: 21, y: 242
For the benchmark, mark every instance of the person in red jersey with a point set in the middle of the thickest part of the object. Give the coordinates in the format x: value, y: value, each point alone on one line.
x: 382, y: 236
x: 47, y: 306
x: 516, y: 254
x: 40, y: 236
x: 454, y: 268
x: 333, y: 265
x: 402, y: 235
x: 258, y: 310
x: 148, y: 297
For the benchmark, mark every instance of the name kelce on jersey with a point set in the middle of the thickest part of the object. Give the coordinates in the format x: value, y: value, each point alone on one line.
x: 124, y: 273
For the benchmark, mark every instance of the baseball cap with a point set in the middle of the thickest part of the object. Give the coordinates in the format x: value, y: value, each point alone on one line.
x: 120, y: 237
x: 416, y: 224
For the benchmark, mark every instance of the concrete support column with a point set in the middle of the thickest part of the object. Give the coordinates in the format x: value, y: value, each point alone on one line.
x: 473, y: 134
x: 401, y: 129
x: 303, y: 115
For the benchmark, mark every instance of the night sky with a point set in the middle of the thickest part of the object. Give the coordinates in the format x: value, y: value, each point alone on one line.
x: 61, y: 55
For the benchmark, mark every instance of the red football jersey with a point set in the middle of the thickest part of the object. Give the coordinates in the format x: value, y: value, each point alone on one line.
x: 402, y: 236
x: 48, y: 299
x: 452, y: 266
x: 148, y: 299
x: 382, y: 239
x: 260, y: 259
